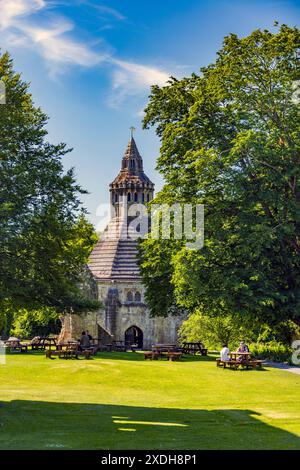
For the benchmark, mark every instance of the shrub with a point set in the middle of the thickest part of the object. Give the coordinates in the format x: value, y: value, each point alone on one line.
x: 272, y: 351
x: 42, y: 322
x: 213, y: 331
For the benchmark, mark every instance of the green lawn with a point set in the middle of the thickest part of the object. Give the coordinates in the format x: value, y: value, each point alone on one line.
x: 119, y: 401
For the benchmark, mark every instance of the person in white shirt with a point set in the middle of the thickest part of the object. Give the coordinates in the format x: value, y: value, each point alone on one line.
x: 225, y: 353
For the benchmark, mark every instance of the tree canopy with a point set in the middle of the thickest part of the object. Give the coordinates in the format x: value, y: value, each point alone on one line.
x: 230, y: 140
x: 45, y: 239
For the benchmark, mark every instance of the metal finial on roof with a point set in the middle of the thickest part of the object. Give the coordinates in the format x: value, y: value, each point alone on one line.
x: 132, y: 130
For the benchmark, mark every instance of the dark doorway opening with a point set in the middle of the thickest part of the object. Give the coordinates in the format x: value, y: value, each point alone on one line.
x: 134, y: 335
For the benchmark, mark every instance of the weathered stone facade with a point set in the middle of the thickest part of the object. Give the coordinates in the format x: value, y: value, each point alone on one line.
x: 124, y: 315
x: 127, y: 314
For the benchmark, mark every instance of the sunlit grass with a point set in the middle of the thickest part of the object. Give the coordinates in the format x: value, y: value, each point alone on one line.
x: 120, y: 401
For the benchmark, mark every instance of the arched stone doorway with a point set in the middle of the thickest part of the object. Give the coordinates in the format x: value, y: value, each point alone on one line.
x: 134, y: 335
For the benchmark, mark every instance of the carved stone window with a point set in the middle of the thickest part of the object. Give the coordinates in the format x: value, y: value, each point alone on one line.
x: 129, y: 296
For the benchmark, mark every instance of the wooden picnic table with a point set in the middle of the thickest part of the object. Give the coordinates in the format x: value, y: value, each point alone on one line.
x: 193, y: 348
x: 164, y: 348
x: 170, y: 355
x: 240, y: 359
x: 70, y: 350
x: 60, y: 346
x: 42, y: 343
x: 118, y: 345
x: 235, y: 354
x: 16, y: 346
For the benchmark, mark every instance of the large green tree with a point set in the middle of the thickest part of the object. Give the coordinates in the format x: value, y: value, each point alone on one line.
x: 45, y: 239
x: 230, y: 141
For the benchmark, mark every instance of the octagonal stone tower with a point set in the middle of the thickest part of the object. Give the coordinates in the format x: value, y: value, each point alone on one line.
x: 131, y: 184
x: 124, y: 315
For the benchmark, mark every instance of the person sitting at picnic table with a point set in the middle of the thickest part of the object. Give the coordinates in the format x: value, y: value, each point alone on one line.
x: 84, y: 341
x: 224, y: 354
x: 243, y: 348
x: 90, y: 336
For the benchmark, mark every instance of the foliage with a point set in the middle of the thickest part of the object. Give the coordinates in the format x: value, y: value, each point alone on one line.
x: 43, y: 322
x: 157, y: 270
x: 282, y: 333
x: 230, y: 141
x: 6, y: 319
x: 45, y: 239
x: 213, y: 331
x: 272, y: 351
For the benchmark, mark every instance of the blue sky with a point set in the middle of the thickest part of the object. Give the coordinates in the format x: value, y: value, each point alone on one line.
x: 91, y: 64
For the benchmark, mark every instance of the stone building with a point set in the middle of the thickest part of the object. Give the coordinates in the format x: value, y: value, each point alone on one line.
x: 114, y: 274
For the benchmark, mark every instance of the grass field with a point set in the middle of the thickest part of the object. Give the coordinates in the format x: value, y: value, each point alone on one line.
x: 119, y: 401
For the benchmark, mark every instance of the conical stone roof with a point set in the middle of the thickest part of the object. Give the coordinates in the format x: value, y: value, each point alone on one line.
x: 132, y: 168
x: 115, y: 255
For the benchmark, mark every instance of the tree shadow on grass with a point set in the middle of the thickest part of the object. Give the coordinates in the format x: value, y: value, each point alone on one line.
x: 49, y: 425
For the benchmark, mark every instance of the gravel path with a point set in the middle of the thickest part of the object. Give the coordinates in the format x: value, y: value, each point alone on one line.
x: 280, y: 365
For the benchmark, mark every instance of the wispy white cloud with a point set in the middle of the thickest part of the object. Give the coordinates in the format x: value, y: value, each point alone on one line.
x: 10, y: 10
x: 133, y: 74
x: 50, y: 41
x: 59, y: 50
x: 22, y: 24
x: 105, y: 10
x: 131, y: 78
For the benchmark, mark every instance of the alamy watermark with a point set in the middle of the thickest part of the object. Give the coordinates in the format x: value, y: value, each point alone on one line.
x: 296, y: 353
x: 159, y: 221
x: 2, y: 353
x: 2, y: 92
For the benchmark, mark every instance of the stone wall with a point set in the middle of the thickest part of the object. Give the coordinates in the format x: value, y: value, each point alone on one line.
x: 73, y: 325
x: 128, y: 313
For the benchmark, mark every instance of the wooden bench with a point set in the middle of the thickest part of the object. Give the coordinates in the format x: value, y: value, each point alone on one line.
x: 174, y: 356
x: 62, y: 353
x: 87, y: 353
x: 49, y: 353
x: 249, y: 364
x: 255, y: 363
x: 69, y: 353
x: 151, y: 355
x: 220, y: 363
x: 252, y: 363
x: 15, y: 346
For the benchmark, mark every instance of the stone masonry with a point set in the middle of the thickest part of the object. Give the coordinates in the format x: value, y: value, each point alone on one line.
x: 115, y: 275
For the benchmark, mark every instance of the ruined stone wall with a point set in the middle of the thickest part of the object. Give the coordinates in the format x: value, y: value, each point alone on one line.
x: 129, y: 313
x: 73, y: 325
